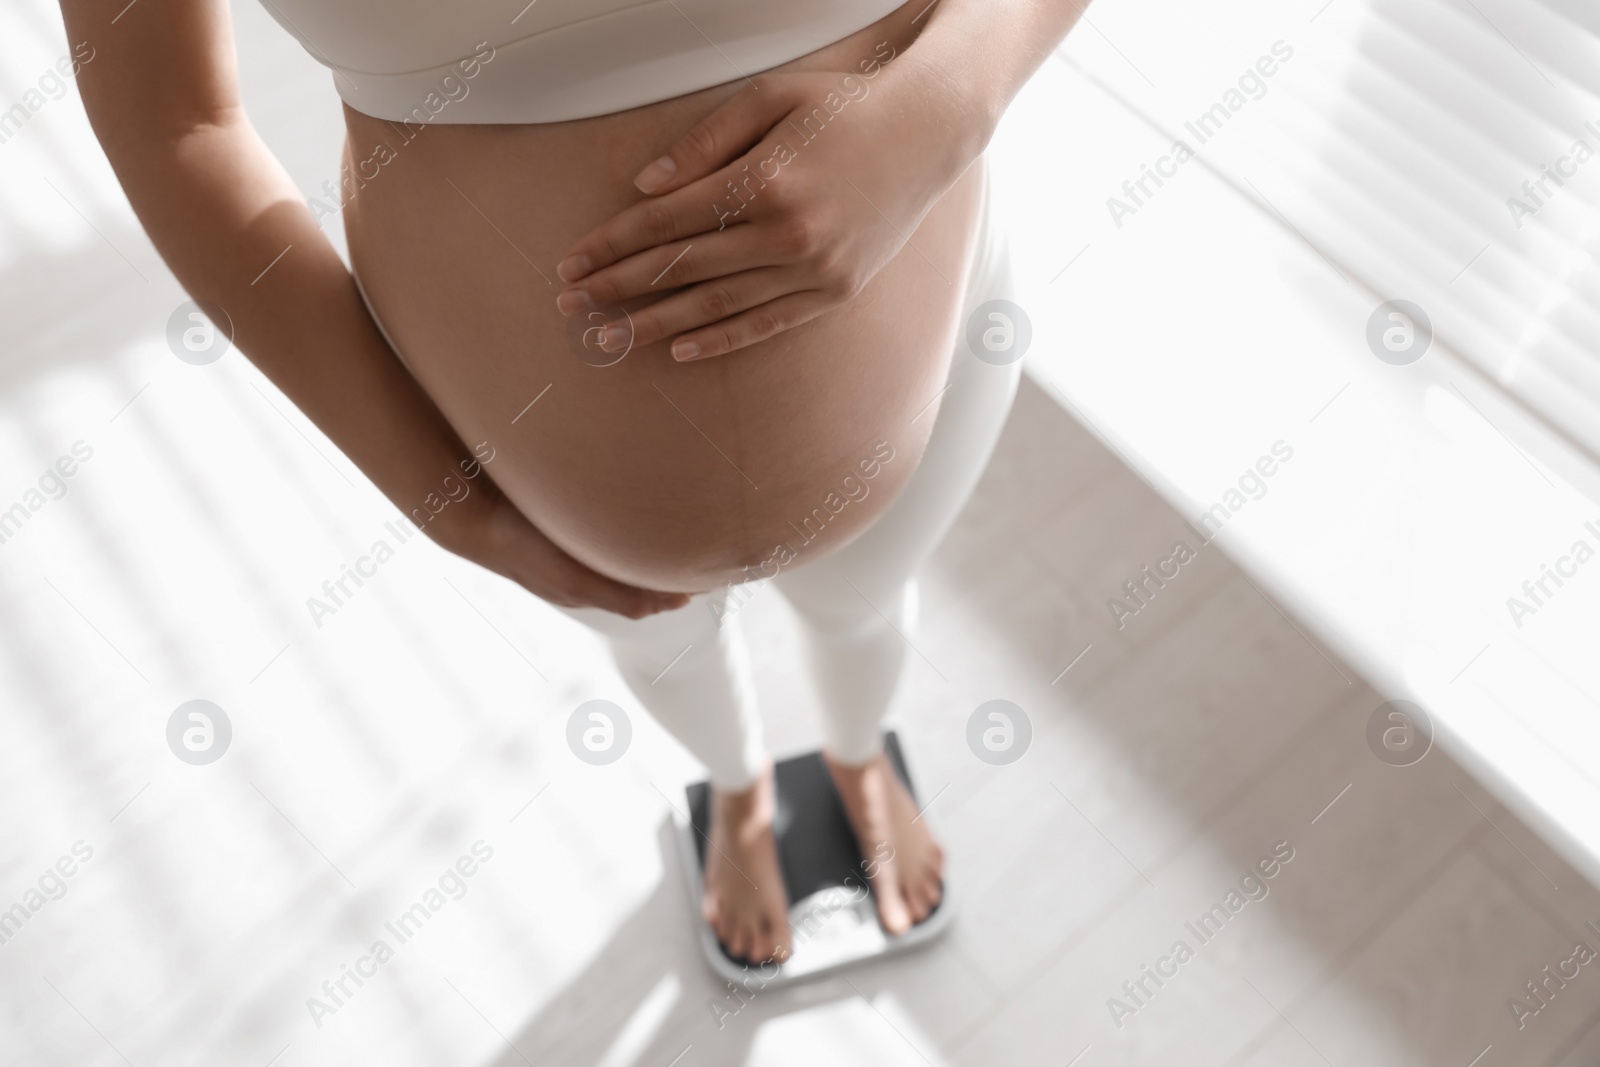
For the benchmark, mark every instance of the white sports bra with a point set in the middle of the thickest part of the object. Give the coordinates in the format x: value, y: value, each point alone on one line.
x: 480, y: 61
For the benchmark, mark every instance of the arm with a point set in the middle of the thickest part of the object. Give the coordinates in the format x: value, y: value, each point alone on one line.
x: 162, y: 98
x: 980, y: 80
x: 810, y: 241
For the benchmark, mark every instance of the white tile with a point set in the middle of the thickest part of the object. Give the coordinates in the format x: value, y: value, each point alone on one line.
x: 1433, y: 986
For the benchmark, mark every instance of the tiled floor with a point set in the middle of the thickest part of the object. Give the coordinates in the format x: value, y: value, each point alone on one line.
x: 371, y: 752
x: 1169, y: 759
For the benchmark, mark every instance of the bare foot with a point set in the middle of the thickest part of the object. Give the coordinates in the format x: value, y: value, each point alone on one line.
x: 903, y: 861
x: 744, y: 897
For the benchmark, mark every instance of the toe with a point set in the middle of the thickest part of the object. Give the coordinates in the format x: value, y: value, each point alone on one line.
x: 892, y: 911
x: 754, y: 944
x: 891, y: 895
x: 780, y: 943
x: 751, y: 944
x: 766, y: 945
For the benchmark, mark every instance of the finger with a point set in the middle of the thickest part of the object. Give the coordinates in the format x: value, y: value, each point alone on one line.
x: 748, y: 327
x: 582, y: 587
x: 669, y: 266
x: 710, y: 302
x: 718, y: 139
x: 713, y: 203
x: 644, y: 225
x: 667, y: 602
x: 648, y: 602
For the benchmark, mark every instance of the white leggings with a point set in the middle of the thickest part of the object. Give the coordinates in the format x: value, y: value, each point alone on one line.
x: 856, y: 607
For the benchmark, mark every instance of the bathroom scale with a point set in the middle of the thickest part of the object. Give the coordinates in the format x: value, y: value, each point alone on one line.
x: 833, y: 919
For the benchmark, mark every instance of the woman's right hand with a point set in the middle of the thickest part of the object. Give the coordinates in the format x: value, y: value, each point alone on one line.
x: 500, y: 538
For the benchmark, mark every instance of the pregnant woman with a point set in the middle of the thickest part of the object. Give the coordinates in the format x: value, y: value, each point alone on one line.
x: 668, y: 296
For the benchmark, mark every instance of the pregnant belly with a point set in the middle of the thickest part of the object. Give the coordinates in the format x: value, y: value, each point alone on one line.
x: 671, y: 476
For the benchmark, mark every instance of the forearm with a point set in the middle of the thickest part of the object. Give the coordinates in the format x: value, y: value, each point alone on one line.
x: 980, y: 53
x: 232, y: 227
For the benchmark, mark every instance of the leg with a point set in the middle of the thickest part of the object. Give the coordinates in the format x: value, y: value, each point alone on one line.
x: 694, y: 678
x: 857, y: 607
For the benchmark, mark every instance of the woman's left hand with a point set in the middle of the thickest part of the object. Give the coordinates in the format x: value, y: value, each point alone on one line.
x: 779, y: 205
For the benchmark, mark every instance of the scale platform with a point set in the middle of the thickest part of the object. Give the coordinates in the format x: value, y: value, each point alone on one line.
x: 833, y: 920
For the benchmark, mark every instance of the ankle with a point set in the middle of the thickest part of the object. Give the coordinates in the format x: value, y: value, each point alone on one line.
x: 855, y: 766
x: 746, y: 798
